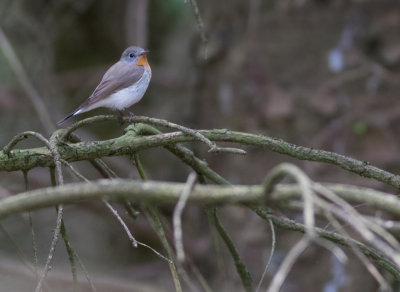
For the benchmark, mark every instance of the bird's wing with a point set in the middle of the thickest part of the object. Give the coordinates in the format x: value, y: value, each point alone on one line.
x: 119, y: 76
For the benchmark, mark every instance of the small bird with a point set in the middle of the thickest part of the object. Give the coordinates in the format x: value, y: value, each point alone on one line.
x: 123, y: 85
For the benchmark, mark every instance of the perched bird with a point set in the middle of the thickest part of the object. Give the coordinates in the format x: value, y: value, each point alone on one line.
x: 123, y: 85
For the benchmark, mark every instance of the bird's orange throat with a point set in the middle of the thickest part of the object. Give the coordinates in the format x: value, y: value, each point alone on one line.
x: 142, y: 61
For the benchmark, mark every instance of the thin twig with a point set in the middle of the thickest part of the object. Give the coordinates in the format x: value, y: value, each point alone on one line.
x: 389, y: 246
x: 291, y: 225
x: 288, y: 262
x: 111, y: 173
x: 371, y: 268
x: 18, y: 138
x: 54, y: 241
x: 139, y: 166
x: 135, y: 242
x: 200, y: 25
x: 60, y: 180
x: 333, y: 248
x: 156, y: 252
x: 85, y: 272
x: 271, y: 254
x: 127, y: 231
x: 71, y: 253
x: 153, y: 216
x: 33, y: 236
x: 84, y: 122
x: 177, y: 216
x: 244, y: 274
x: 203, y: 282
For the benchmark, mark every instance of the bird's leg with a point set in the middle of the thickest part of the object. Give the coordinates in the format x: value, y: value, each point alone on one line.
x: 131, y: 115
x: 121, y: 117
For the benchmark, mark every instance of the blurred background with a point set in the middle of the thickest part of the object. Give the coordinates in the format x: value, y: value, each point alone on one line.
x: 317, y: 73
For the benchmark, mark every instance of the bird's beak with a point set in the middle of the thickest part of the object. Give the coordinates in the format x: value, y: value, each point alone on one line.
x: 145, y: 52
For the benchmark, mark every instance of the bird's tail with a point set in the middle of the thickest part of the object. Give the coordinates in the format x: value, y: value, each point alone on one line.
x: 75, y: 112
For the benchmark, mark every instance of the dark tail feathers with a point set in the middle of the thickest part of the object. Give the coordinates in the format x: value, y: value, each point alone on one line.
x: 66, y: 118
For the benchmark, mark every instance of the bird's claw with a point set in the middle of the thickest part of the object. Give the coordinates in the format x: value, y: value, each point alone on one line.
x: 131, y: 115
x: 121, y: 117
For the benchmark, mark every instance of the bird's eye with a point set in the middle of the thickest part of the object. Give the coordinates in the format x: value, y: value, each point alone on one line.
x: 131, y: 55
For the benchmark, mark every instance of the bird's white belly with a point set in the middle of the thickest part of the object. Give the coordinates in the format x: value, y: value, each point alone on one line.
x: 126, y: 97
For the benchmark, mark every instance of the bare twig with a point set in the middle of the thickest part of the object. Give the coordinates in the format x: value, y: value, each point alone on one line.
x: 156, y: 252
x: 127, y: 231
x: 288, y: 224
x: 85, y: 272
x: 58, y: 172
x: 244, y: 274
x: 177, y: 216
x: 271, y: 254
x: 53, y: 245
x: 135, y: 242
x: 200, y: 24
x: 154, y: 217
x: 370, y: 231
x: 33, y: 236
x: 370, y: 267
x: 287, y: 264
x: 71, y: 253
x: 18, y: 138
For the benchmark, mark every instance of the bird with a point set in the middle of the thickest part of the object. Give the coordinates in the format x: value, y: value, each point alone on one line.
x: 122, y: 86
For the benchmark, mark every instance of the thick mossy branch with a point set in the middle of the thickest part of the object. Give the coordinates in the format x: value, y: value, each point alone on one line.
x: 130, y: 142
x: 166, y: 192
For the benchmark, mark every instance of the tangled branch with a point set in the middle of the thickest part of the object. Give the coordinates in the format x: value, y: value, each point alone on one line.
x: 130, y: 142
x: 332, y: 201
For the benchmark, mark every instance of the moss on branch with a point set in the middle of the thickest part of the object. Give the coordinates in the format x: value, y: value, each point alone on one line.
x: 130, y: 142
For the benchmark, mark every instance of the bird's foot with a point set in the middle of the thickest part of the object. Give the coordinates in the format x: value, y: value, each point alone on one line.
x: 131, y: 115
x: 121, y: 117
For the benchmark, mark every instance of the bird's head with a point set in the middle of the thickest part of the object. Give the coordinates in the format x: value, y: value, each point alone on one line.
x: 133, y: 55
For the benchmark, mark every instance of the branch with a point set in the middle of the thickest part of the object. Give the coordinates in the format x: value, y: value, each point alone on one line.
x: 130, y: 143
x: 291, y: 225
x: 166, y: 192
x: 155, y: 122
x: 157, y: 192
